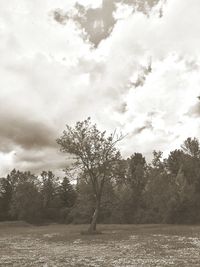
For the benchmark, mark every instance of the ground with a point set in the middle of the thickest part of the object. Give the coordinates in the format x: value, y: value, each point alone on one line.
x: 118, y: 246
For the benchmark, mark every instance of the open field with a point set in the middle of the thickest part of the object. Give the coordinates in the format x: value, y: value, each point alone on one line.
x: 119, y: 245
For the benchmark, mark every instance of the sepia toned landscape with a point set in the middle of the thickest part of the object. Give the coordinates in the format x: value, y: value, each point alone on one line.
x: 99, y: 133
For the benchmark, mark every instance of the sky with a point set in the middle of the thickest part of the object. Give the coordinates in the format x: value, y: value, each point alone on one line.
x: 130, y: 65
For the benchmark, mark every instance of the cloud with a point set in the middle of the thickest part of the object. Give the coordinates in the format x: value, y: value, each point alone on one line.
x: 170, y: 90
x: 194, y: 111
x: 40, y: 83
x: 143, y: 77
x: 164, y: 101
x: 98, y: 19
x: 25, y: 133
x: 96, y: 22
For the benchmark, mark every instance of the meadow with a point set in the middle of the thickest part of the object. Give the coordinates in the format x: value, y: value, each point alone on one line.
x: 22, y: 244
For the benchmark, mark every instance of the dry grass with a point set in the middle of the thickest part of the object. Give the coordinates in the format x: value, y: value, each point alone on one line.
x: 119, y: 245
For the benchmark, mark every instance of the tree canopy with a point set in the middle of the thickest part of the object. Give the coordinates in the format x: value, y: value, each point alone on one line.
x: 95, y: 154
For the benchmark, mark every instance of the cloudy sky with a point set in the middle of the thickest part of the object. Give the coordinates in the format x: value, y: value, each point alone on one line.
x: 133, y: 65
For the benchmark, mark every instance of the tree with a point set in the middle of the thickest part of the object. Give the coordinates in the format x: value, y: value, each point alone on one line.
x: 26, y: 200
x: 67, y: 195
x: 191, y: 147
x: 48, y: 188
x: 94, y: 155
x: 159, y: 193
x: 136, y: 172
x: 8, y: 187
x: 136, y: 180
x: 175, y: 162
x: 130, y: 184
x: 5, y: 198
x: 51, y: 202
x: 84, y: 205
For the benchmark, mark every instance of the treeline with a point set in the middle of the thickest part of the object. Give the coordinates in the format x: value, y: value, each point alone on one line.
x: 163, y: 191
x: 36, y: 199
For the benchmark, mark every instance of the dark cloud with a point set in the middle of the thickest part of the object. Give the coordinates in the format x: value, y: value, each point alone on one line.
x: 191, y: 65
x: 60, y: 16
x: 142, y: 76
x: 99, y: 22
x: 122, y: 108
x: 37, y: 160
x: 141, y: 5
x: 24, y: 132
x: 194, y: 111
x: 148, y: 125
x: 152, y: 114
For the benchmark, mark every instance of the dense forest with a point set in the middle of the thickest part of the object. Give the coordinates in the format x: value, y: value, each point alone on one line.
x: 166, y: 190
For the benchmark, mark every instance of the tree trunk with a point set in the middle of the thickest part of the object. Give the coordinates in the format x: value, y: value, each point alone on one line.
x: 93, y: 224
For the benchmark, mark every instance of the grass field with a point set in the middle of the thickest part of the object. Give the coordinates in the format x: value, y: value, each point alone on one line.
x: 119, y: 245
